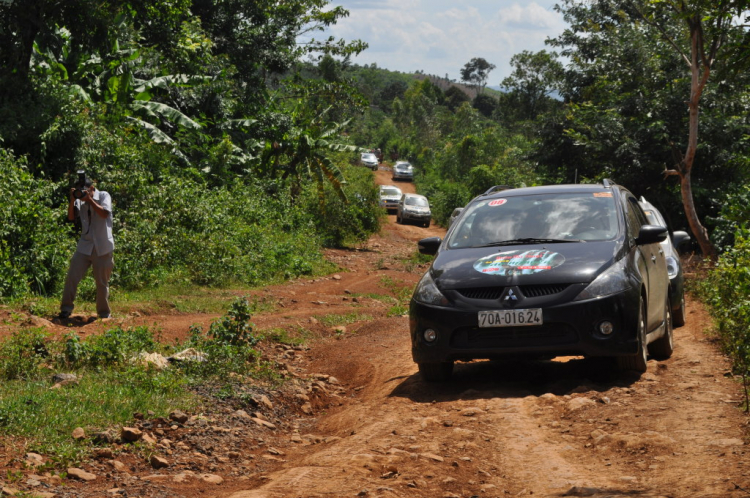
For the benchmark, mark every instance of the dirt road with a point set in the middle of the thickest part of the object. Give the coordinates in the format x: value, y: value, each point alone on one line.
x: 497, y: 429
x: 558, y: 428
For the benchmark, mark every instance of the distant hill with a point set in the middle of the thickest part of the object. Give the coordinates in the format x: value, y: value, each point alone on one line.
x: 445, y: 83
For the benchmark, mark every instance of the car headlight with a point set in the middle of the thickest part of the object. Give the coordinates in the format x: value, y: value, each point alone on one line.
x: 428, y: 293
x: 612, y: 281
x: 672, y: 266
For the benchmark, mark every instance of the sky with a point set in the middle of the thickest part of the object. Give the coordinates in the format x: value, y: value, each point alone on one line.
x: 440, y: 36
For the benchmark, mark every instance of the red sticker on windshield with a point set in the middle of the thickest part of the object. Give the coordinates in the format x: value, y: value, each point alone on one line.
x: 498, y: 202
x: 602, y: 194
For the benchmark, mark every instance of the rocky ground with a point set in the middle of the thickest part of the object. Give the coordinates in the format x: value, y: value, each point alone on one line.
x: 356, y: 420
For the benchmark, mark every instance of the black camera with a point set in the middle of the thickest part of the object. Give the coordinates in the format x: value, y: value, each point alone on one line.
x: 80, y: 185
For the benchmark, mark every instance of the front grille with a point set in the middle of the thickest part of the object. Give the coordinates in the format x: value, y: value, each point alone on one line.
x: 513, y: 337
x: 542, y: 290
x: 482, y: 292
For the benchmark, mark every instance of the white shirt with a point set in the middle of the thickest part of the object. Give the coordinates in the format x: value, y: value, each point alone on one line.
x: 96, y: 231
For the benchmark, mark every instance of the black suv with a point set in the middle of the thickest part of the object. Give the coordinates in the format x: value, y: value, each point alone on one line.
x: 539, y: 272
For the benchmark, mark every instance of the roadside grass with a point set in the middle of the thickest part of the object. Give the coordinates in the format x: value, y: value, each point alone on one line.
x: 334, y: 320
x: 47, y: 417
x: 183, y: 298
x: 412, y: 262
x: 114, y: 381
x: 295, y: 337
x: 398, y: 296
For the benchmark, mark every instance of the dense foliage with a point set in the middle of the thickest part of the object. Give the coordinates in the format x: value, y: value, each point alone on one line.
x: 221, y: 160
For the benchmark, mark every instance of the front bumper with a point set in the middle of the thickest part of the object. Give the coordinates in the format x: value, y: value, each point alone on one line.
x: 402, y: 176
x: 411, y: 216
x: 389, y: 205
x: 569, y: 329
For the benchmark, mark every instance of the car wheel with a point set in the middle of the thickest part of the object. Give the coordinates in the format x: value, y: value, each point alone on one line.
x: 662, y: 348
x: 426, y: 224
x: 435, y: 372
x: 678, y: 317
x: 398, y: 218
x: 638, y: 361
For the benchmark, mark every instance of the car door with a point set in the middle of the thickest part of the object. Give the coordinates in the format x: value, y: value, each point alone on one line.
x: 651, y: 264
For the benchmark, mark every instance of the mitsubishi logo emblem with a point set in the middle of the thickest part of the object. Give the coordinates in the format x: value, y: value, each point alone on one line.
x: 510, y: 296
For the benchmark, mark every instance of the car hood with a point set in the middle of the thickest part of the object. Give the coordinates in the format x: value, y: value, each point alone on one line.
x: 390, y: 197
x: 566, y: 263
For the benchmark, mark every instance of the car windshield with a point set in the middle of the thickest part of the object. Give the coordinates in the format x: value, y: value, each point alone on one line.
x: 540, y: 218
x: 416, y: 201
x: 403, y: 166
x: 369, y: 157
x: 390, y: 192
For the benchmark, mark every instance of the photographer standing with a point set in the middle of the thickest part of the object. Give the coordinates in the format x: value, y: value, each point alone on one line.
x: 95, y: 247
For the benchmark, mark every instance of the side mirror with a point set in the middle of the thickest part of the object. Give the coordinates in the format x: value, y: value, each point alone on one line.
x: 680, y: 241
x: 429, y: 245
x: 651, y: 234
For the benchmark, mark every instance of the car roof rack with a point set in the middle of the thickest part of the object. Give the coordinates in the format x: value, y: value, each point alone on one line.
x: 608, y: 183
x: 497, y: 188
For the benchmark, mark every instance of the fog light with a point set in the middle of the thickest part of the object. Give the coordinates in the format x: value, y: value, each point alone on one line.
x: 606, y: 328
x: 430, y: 335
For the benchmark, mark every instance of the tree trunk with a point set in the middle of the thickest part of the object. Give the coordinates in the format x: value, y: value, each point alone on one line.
x: 697, y: 83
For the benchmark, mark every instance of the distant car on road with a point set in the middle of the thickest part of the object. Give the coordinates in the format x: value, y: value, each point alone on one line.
x: 369, y: 160
x: 389, y: 197
x: 403, y: 170
x: 415, y: 208
x: 672, y: 256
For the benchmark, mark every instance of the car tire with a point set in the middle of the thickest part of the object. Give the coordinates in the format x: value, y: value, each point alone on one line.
x: 436, y: 372
x: 662, y: 348
x: 678, y: 316
x: 398, y: 218
x: 638, y: 361
x: 426, y: 224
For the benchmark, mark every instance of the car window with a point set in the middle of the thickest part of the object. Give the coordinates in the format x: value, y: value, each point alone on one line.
x: 369, y: 157
x: 634, y: 215
x: 654, y: 217
x: 582, y: 216
x: 416, y: 201
x: 390, y: 191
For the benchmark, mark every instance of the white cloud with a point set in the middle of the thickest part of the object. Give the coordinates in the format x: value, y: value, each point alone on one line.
x: 531, y: 16
x: 439, y: 37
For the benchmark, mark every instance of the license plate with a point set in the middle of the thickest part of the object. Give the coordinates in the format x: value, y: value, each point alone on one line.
x: 510, y: 318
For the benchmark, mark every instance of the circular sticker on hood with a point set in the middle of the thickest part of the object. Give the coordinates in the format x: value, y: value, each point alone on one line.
x: 519, y: 262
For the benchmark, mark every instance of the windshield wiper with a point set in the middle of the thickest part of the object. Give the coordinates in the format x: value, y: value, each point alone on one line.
x: 529, y: 240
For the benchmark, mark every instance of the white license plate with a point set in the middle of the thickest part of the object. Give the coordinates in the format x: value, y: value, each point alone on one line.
x: 510, y: 318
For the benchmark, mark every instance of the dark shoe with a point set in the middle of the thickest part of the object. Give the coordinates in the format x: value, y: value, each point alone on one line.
x: 64, y: 315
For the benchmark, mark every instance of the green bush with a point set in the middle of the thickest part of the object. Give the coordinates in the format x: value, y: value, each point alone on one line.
x: 727, y: 291
x: 342, y: 223
x: 34, y: 237
x: 23, y: 353
x: 112, y: 348
x: 227, y: 346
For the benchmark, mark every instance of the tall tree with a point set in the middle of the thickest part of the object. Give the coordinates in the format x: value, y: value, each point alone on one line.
x: 89, y: 22
x: 535, y: 76
x: 635, y: 63
x: 475, y: 73
x: 700, y: 43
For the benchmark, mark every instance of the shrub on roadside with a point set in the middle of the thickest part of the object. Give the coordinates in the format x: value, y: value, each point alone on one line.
x: 34, y: 241
x: 727, y: 292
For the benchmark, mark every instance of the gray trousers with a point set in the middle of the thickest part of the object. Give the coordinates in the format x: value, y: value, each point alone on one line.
x: 101, y: 267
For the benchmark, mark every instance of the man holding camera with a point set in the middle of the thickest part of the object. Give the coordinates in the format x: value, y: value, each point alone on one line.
x: 95, y: 246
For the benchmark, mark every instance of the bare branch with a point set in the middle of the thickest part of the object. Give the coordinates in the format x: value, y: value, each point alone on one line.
x: 663, y: 33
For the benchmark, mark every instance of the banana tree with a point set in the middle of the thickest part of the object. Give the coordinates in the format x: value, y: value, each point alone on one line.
x: 303, y: 153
